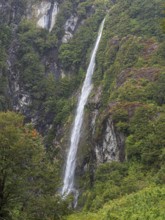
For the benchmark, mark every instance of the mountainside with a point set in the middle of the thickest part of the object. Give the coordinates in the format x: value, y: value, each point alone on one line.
x: 45, y: 51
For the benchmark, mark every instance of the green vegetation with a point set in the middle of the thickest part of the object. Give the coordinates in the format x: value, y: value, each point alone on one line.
x: 5, y: 37
x: 73, y: 54
x: 145, y: 204
x: 28, y: 180
x: 130, y: 70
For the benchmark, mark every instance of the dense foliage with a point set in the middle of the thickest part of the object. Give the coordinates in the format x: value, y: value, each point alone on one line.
x: 5, y: 36
x: 130, y: 73
x: 130, y: 70
x: 146, y: 204
x: 28, y: 180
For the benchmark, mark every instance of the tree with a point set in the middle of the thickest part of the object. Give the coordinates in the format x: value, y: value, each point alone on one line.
x: 21, y: 153
x: 28, y: 181
x: 163, y: 21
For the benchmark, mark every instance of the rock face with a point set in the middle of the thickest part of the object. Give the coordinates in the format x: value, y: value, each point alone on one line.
x: 11, y: 12
x: 110, y: 144
x: 41, y: 13
x: 70, y: 27
x: 20, y: 99
x: 44, y: 13
x: 108, y: 150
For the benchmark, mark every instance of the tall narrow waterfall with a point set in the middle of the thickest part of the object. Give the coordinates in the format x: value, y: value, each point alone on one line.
x: 68, y: 182
x: 53, y: 16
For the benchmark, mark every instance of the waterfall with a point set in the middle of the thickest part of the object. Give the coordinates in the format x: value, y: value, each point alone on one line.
x: 68, y: 182
x: 53, y: 16
x: 47, y: 13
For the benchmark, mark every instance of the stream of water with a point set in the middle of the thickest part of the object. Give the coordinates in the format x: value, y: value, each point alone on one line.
x: 68, y: 181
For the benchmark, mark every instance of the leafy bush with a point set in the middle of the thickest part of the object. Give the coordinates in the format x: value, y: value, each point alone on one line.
x: 145, y: 204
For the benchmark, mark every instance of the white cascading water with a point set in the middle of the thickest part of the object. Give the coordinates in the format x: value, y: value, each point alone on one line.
x: 46, y: 15
x: 53, y: 16
x: 68, y: 182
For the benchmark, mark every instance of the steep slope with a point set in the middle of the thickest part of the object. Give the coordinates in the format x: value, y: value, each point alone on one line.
x: 45, y: 50
x: 125, y: 115
x: 33, y: 32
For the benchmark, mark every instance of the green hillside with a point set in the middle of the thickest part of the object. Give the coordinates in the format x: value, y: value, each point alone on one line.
x: 146, y: 204
x: 120, y: 165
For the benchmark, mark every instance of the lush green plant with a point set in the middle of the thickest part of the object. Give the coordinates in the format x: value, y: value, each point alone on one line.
x: 146, y: 141
x: 145, y: 204
x: 5, y: 38
x: 28, y: 181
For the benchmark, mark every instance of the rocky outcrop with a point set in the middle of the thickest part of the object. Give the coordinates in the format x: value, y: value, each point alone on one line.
x: 109, y: 143
x: 44, y: 13
x: 19, y: 98
x: 70, y: 27
x: 41, y: 14
x: 108, y: 149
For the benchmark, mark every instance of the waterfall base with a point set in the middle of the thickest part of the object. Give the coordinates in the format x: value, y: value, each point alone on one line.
x: 75, y: 194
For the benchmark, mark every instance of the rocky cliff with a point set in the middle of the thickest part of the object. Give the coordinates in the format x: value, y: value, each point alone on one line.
x: 33, y: 24
x: 45, y: 50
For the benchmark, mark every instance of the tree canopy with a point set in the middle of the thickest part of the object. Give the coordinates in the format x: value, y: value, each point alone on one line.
x: 27, y: 178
